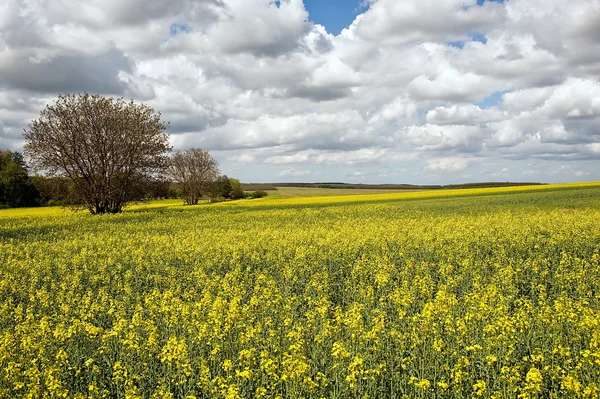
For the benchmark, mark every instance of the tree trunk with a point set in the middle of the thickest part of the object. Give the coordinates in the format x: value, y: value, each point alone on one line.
x: 191, y: 201
x: 102, y: 208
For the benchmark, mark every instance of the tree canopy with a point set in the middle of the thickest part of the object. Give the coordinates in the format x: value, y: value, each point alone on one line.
x: 16, y: 188
x: 237, y: 191
x: 196, y: 171
x: 110, y: 149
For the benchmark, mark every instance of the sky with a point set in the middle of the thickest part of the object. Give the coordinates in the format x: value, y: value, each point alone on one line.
x: 370, y: 91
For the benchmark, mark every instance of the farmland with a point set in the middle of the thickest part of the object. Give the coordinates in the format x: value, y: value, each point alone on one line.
x: 294, y: 192
x: 436, y: 294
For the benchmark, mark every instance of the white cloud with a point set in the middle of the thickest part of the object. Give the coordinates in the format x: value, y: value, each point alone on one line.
x: 574, y: 98
x: 501, y: 172
x: 452, y: 86
x: 261, y: 86
x: 526, y: 99
x: 447, y: 164
x: 363, y: 156
x: 415, y: 21
x: 259, y: 27
x: 294, y: 173
x: 464, y: 114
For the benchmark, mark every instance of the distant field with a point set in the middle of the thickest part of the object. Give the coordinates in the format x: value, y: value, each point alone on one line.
x: 292, y: 192
x: 258, y: 186
x: 386, y: 187
x: 471, y: 293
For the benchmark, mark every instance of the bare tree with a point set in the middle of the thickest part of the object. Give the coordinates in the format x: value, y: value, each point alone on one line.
x: 110, y: 149
x: 196, y: 171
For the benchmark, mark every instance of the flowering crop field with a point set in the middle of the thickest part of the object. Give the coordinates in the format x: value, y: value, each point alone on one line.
x: 438, y: 294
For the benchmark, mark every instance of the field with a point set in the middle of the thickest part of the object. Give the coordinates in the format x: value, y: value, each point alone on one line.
x: 491, y: 293
x: 293, y: 192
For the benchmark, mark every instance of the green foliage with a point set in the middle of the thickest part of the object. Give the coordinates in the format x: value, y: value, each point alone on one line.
x: 174, y: 192
x: 237, y: 191
x: 55, y: 190
x: 16, y: 188
x: 258, y: 194
x: 222, y: 187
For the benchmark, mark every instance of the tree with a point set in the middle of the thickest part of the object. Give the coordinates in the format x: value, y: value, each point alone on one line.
x: 55, y: 190
x: 195, y: 170
x: 16, y: 188
x: 110, y: 149
x: 222, y: 187
x: 237, y: 191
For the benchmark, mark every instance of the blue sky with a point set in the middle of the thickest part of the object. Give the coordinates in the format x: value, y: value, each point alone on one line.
x: 335, y: 15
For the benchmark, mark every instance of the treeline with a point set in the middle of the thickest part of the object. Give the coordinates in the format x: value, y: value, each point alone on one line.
x: 103, y: 153
x: 18, y: 188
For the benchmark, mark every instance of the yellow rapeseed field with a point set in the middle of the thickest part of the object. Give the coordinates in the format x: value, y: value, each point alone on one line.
x: 491, y: 293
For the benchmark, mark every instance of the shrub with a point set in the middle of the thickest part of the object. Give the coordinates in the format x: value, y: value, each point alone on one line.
x: 258, y: 194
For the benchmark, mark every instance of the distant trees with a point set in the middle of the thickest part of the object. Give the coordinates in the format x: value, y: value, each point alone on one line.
x: 55, y: 190
x: 196, y: 172
x: 237, y: 191
x: 228, y: 188
x: 16, y: 187
x: 222, y: 188
x: 112, y: 151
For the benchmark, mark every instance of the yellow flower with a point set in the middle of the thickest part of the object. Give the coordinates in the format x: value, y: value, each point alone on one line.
x: 533, y: 380
x: 227, y: 365
x: 570, y: 384
x: 480, y: 388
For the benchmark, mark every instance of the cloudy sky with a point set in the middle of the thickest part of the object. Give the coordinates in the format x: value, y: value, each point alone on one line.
x: 375, y: 91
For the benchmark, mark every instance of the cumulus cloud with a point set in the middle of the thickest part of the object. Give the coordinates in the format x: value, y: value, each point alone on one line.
x: 294, y: 173
x: 434, y: 20
x: 464, y: 114
x: 447, y: 164
x: 450, y: 86
x: 358, y: 157
x: 260, y: 27
x: 411, y: 91
x: 574, y: 98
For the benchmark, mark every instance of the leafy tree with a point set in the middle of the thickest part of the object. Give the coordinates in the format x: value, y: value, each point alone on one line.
x: 159, y: 189
x: 237, y: 191
x: 55, y: 190
x: 174, y: 191
x: 196, y: 171
x: 110, y: 149
x: 16, y: 188
x: 222, y: 187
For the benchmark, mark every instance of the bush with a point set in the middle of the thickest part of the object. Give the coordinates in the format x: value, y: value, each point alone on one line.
x: 236, y: 189
x: 174, y: 192
x: 258, y: 194
x: 16, y: 187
